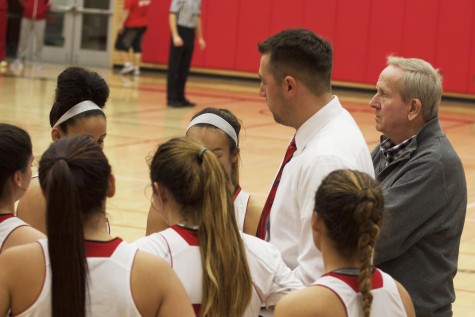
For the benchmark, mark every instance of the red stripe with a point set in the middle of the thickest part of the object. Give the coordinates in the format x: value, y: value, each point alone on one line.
x: 352, y: 280
x: 5, y: 217
x: 101, y: 249
x: 189, y: 235
x: 236, y: 192
x: 197, y: 308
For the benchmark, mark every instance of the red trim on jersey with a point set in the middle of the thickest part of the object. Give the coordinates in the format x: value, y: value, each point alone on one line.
x: 189, y: 235
x: 236, y: 192
x: 101, y: 249
x: 4, y: 217
x: 197, y: 308
x: 352, y: 280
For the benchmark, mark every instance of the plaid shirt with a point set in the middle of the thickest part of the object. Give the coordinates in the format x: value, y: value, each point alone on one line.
x: 393, y: 151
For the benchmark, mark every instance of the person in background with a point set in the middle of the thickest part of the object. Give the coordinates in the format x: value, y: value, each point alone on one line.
x: 218, y: 130
x: 3, y: 32
x: 225, y: 272
x: 80, y: 270
x: 32, y: 32
x: 134, y: 26
x: 78, y: 106
x: 346, y: 222
x: 15, y: 175
x: 185, y: 23
x: 295, y: 71
x: 424, y: 186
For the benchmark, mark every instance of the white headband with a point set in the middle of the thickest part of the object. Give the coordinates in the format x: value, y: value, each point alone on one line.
x: 81, y: 107
x: 217, y: 121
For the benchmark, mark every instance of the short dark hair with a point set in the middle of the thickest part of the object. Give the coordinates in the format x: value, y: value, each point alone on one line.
x: 302, y: 54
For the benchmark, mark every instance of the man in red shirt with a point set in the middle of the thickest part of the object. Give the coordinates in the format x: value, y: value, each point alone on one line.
x: 130, y: 35
x: 32, y: 29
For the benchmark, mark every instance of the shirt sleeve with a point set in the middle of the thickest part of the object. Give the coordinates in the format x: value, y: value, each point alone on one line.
x: 272, y: 279
x: 175, y: 6
x: 128, y: 4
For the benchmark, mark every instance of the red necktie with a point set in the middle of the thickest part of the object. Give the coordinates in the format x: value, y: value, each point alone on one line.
x: 261, y: 228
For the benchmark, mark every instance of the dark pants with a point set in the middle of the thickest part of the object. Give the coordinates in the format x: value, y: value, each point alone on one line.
x: 179, y: 63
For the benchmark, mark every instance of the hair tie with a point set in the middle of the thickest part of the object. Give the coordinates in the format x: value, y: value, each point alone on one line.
x: 200, y: 154
x: 61, y: 158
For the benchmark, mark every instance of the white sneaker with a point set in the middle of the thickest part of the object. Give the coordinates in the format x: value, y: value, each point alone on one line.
x: 128, y: 67
x: 136, y: 71
x: 38, y: 66
x: 17, y: 65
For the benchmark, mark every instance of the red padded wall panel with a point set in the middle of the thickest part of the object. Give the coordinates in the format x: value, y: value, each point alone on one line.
x: 253, y: 27
x: 471, y: 73
x: 385, y: 36
x: 320, y: 17
x: 420, y: 29
x: 221, y: 33
x: 286, y: 14
x: 351, y: 40
x: 156, y: 42
x: 453, y: 43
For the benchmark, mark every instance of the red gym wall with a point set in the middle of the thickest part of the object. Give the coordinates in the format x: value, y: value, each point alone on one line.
x: 363, y: 33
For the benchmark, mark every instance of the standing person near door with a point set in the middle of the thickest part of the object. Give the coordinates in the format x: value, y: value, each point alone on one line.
x: 3, y: 31
x: 32, y: 31
x: 131, y: 34
x: 185, y: 22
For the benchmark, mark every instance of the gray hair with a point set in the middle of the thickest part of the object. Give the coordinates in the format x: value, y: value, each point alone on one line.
x: 420, y: 81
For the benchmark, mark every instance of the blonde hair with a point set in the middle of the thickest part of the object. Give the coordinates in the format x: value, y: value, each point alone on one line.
x: 197, y: 181
x: 351, y: 205
x: 420, y: 81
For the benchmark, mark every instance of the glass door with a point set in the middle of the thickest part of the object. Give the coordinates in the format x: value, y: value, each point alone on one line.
x: 78, y: 32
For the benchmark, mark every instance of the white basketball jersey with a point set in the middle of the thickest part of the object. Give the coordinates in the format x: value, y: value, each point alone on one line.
x: 8, y: 223
x: 241, y: 200
x: 386, y: 299
x: 110, y: 294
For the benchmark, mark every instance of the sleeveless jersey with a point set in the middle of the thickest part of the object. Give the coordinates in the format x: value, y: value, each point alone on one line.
x: 8, y: 223
x: 386, y: 299
x: 179, y: 246
x: 110, y: 294
x: 241, y: 200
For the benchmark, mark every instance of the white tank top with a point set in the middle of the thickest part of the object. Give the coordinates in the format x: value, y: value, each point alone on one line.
x: 179, y: 246
x: 386, y: 298
x: 241, y: 200
x: 110, y: 294
x: 8, y: 223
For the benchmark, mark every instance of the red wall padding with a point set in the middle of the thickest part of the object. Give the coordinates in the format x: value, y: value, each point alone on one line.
x: 362, y: 32
x: 453, y: 48
x: 384, y: 38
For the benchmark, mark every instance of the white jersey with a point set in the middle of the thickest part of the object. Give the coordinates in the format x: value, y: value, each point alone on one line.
x: 386, y: 298
x: 241, y: 200
x: 110, y: 294
x: 179, y: 246
x: 8, y: 223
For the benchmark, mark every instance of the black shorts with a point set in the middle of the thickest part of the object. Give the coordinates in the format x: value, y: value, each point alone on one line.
x: 130, y: 37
